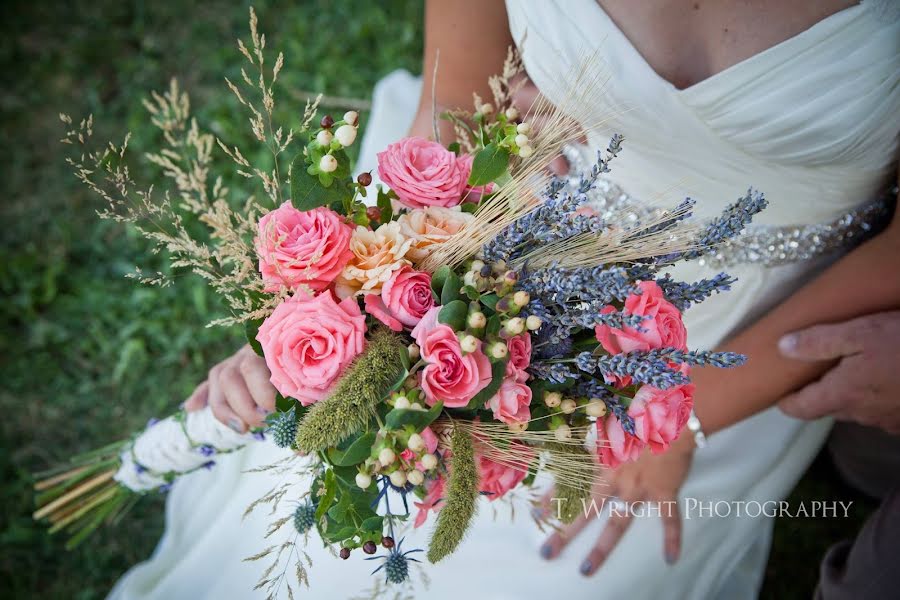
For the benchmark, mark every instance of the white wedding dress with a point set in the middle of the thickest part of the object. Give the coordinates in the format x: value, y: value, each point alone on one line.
x: 812, y: 122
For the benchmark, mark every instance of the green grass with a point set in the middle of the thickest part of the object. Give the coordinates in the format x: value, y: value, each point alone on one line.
x: 87, y: 355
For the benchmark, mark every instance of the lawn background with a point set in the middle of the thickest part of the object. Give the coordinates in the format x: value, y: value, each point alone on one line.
x: 88, y: 355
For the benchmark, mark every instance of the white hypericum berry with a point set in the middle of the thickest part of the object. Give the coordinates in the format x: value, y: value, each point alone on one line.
x: 526, y: 151
x: 398, y: 478
x: 328, y: 164
x: 415, y: 477
x: 477, y: 320
x: 401, y: 402
x: 521, y: 298
x: 498, y: 350
x: 416, y: 406
x: 512, y: 113
x: 415, y: 442
x: 469, y: 344
x: 351, y: 117
x: 324, y: 138
x: 345, y: 135
x: 552, y: 399
x: 563, y: 433
x: 522, y: 140
x: 523, y: 128
x: 477, y: 265
x: 413, y: 350
x: 469, y: 279
x: 363, y: 480
x: 429, y: 461
x: 533, y: 323
x: 518, y: 427
x: 596, y: 408
x: 515, y: 326
x: 386, y: 457
x: 487, y: 109
x: 568, y: 406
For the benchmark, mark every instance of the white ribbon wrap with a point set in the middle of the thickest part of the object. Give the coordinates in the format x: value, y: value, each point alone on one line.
x: 176, y: 446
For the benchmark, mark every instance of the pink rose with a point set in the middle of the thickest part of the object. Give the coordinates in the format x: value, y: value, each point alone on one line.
x: 432, y: 500
x: 299, y: 248
x: 428, y: 322
x: 308, y: 341
x: 450, y: 376
x: 496, y: 479
x: 404, y: 299
x: 431, y: 440
x: 615, y: 445
x: 510, y: 403
x: 423, y: 173
x: 660, y: 415
x: 519, y: 356
x: 662, y: 329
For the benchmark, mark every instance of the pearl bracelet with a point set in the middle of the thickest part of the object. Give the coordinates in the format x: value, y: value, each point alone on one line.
x: 693, y: 425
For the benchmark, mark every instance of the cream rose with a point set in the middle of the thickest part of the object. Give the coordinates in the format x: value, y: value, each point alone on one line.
x: 432, y: 225
x: 376, y: 255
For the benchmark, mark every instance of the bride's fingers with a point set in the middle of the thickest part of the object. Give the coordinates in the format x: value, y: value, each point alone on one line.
x: 198, y: 398
x: 615, y: 528
x: 257, y: 377
x: 219, y: 405
x: 671, y: 518
x: 560, y: 539
x: 238, y: 395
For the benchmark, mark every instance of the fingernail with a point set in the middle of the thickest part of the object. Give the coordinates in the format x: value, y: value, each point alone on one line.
x: 236, y: 425
x: 546, y: 551
x: 537, y: 512
x: 586, y: 567
x: 787, y: 344
x: 671, y: 558
x: 261, y: 410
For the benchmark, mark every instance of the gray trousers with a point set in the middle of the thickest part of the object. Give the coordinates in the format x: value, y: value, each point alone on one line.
x: 869, y: 566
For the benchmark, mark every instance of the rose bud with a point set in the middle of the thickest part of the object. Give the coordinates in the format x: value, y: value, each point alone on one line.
x: 365, y: 180
x: 326, y: 122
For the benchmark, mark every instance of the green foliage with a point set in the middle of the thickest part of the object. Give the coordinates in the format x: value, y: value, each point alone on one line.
x: 399, y: 418
x: 490, y: 163
x: 461, y: 498
x: 308, y: 191
x: 454, y: 314
x: 353, y: 450
x: 498, y: 371
x: 351, y: 405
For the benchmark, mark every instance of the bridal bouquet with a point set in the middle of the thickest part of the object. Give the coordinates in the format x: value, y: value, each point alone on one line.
x: 439, y: 337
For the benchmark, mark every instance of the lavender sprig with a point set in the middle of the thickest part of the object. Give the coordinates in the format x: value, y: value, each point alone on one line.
x: 683, y: 294
x: 729, y: 224
x: 641, y: 367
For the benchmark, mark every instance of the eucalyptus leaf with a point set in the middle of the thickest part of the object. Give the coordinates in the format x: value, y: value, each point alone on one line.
x: 419, y: 419
x: 454, y: 314
x: 308, y: 192
x: 498, y: 372
x: 438, y: 279
x: 352, y: 451
x: 251, y: 328
x: 450, y: 289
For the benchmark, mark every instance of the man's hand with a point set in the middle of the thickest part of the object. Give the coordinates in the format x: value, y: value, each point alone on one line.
x: 864, y: 386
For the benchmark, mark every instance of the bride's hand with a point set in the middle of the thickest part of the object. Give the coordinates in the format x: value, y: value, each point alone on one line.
x: 238, y: 391
x: 652, y: 478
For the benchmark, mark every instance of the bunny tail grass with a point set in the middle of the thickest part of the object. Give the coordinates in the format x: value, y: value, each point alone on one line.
x: 350, y: 406
x: 461, y: 498
x: 571, y: 487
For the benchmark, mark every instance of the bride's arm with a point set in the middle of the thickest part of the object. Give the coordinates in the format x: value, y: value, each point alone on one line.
x: 865, y: 281
x: 472, y: 37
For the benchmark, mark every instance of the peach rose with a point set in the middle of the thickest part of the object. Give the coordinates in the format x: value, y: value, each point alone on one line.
x: 497, y: 479
x: 615, y: 445
x: 404, y: 299
x: 663, y: 329
x: 428, y: 226
x: 375, y: 255
x: 660, y: 415
x: 510, y: 403
x: 423, y: 173
x: 298, y: 248
x: 308, y: 341
x: 450, y: 376
x: 519, y: 356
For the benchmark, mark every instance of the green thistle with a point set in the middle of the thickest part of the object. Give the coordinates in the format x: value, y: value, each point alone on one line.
x: 460, y: 501
x: 284, y: 428
x: 579, y: 468
x: 350, y: 406
x: 305, y: 517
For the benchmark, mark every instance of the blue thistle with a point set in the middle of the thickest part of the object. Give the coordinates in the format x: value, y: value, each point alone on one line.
x: 304, y: 517
x: 396, y: 563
